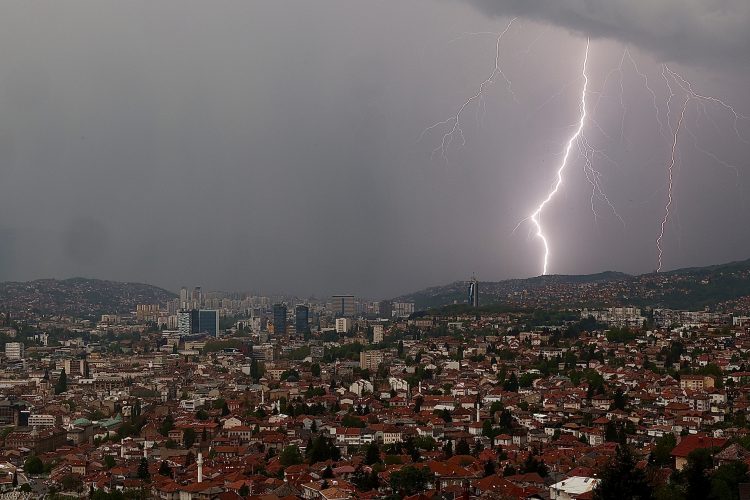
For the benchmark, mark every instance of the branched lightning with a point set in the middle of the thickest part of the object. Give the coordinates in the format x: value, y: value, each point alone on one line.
x: 535, y: 217
x: 455, y: 131
x: 670, y: 171
x: 670, y: 127
x: 650, y: 91
x: 701, y: 100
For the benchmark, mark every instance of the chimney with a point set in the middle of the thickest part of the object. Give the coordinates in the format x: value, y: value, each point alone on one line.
x: 200, y: 467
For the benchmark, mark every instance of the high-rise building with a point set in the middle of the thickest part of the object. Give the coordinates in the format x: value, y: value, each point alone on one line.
x: 343, y: 306
x: 198, y: 321
x: 377, y: 333
x: 370, y: 360
x: 184, y: 298
x: 279, y: 319
x: 343, y: 325
x: 185, y: 321
x: 208, y: 322
x: 14, y: 350
x: 385, y: 309
x: 403, y: 309
x: 473, y: 292
x: 197, y: 297
x: 301, y: 319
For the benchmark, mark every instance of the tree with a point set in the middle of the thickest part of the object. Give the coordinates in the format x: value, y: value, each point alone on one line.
x: 531, y: 464
x: 726, y: 479
x: 488, y: 430
x: 410, y: 480
x: 315, y: 370
x: 188, y: 437
x: 511, y: 385
x: 462, y: 448
x: 322, y: 449
x: 373, y: 454
x: 166, y: 425
x: 448, y: 449
x: 33, y: 465
x: 62, y: 383
x: 244, y: 491
x: 698, y: 484
x: 71, y: 482
x: 290, y: 456
x: 661, y: 455
x: 506, y: 419
x: 489, y: 468
x: 143, y: 472
x: 622, y: 479
x: 619, y: 400
x: 165, y: 469
x: 109, y: 461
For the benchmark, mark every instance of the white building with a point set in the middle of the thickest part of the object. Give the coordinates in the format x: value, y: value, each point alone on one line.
x: 14, y: 350
x: 572, y: 487
x: 403, y: 309
x: 377, y: 333
x: 343, y: 325
x: 360, y: 387
x: 41, y: 420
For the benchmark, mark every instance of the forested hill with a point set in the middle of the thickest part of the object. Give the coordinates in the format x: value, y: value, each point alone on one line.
x: 79, y: 297
x: 724, y: 287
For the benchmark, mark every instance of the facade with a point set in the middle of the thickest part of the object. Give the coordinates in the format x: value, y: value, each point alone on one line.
x: 572, y: 487
x: 377, y: 333
x: 208, y: 322
x: 385, y: 309
x: 343, y: 325
x: 39, y: 441
x: 370, y: 360
x: 343, y: 306
x: 14, y: 350
x: 696, y: 382
x: 473, y: 292
x: 41, y: 420
x: 198, y: 321
x: 279, y: 319
x: 403, y: 309
x: 301, y: 319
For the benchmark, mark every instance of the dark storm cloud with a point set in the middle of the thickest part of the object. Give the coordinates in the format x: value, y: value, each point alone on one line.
x: 273, y: 145
x: 702, y: 32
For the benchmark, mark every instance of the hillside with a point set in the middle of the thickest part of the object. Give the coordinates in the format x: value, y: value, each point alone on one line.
x: 718, y: 287
x: 80, y: 297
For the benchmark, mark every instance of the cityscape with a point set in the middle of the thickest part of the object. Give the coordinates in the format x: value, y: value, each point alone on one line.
x: 358, y: 249
x: 228, y: 395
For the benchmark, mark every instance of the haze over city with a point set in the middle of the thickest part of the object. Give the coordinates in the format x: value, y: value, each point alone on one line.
x: 275, y: 146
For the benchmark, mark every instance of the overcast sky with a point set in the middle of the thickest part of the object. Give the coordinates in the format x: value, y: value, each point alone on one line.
x: 274, y: 145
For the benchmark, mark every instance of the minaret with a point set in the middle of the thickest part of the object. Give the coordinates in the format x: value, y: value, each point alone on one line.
x: 200, y: 467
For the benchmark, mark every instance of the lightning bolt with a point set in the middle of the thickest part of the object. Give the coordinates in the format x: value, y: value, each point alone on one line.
x: 670, y: 172
x: 690, y: 95
x: 535, y: 217
x: 455, y: 132
x: 678, y: 88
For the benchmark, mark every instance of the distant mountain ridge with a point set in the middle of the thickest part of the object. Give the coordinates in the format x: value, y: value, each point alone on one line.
x: 79, y: 297
x: 721, y: 286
